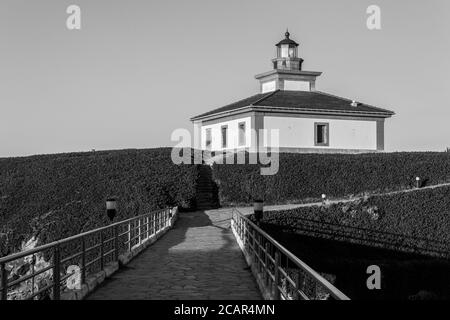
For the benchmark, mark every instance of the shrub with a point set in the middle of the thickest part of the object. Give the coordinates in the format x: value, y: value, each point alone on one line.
x: 56, y: 196
x: 304, y: 177
x: 415, y: 221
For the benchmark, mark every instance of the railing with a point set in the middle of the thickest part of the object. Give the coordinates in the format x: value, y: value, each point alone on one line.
x: 89, y: 252
x: 282, y: 274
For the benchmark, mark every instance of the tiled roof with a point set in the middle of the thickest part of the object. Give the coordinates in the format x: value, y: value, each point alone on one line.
x: 302, y: 101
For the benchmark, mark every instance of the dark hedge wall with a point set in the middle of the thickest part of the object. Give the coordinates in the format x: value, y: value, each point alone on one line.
x: 56, y: 196
x: 415, y: 221
x: 304, y: 177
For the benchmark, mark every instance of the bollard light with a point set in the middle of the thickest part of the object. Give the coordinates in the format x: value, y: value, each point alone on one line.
x: 324, y: 198
x: 111, y: 208
x: 418, y: 182
x: 258, y: 209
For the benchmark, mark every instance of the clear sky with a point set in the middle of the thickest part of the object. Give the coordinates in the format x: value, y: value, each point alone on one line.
x: 137, y: 70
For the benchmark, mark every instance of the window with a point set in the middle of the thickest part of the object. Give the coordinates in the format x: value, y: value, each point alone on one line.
x: 224, y: 136
x: 292, y: 53
x: 321, y: 134
x: 208, y: 138
x: 242, y: 134
x: 284, y: 50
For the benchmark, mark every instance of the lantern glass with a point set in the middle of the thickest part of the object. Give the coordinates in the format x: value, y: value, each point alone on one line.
x: 258, y: 205
x: 111, y: 204
x: 284, y: 51
x: 292, y: 52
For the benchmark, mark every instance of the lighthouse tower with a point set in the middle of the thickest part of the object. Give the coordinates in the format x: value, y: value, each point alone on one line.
x: 287, y: 73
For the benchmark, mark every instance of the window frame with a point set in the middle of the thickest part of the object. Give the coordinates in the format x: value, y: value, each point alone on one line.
x: 224, y: 145
x: 208, y: 145
x: 326, y: 142
x: 242, y: 143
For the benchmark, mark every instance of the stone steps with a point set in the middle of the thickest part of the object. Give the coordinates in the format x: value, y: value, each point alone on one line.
x: 206, y: 196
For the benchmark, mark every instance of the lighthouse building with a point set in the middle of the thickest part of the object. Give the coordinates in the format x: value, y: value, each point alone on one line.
x: 307, y: 120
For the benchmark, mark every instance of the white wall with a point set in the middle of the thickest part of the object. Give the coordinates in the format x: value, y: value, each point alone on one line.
x: 268, y: 86
x: 343, y: 134
x: 233, y: 134
x: 295, y: 85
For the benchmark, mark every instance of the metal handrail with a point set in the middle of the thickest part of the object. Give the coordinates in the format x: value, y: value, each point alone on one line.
x: 288, y: 278
x: 106, y: 244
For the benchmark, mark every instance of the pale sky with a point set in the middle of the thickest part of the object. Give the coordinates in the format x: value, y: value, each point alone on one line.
x: 137, y: 70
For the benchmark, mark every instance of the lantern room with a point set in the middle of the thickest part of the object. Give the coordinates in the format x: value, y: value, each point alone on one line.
x: 287, y: 48
x: 287, y: 54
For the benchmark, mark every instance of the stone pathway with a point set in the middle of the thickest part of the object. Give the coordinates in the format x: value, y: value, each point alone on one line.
x: 198, y: 259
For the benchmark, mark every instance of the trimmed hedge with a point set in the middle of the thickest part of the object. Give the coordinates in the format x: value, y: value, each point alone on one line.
x: 305, y: 177
x: 56, y: 196
x: 415, y: 221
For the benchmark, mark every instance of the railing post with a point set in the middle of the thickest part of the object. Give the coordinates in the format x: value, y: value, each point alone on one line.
x: 147, y: 234
x: 254, y: 247
x: 139, y: 231
x: 260, y: 253
x: 152, y: 224
x: 4, y: 282
x: 159, y: 222
x: 83, y: 260
x: 242, y: 229
x: 102, y: 253
x: 246, y: 236
x: 298, y: 284
x: 56, y: 273
x: 266, y: 261
x: 164, y: 219
x: 33, y: 262
x: 167, y: 217
x: 129, y: 236
x: 116, y: 243
x: 277, y: 276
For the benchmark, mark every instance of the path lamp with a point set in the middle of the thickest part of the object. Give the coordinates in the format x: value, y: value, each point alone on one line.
x: 111, y: 208
x: 258, y: 209
x: 324, y: 198
x: 417, y: 182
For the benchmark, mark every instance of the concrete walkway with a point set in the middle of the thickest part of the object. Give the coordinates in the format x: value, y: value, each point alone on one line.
x: 198, y: 259
x: 249, y: 210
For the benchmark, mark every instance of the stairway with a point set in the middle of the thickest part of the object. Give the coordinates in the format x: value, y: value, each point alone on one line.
x: 206, y: 193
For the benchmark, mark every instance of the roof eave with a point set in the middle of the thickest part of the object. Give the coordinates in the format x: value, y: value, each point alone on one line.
x: 292, y: 72
x: 382, y: 114
x: 222, y: 114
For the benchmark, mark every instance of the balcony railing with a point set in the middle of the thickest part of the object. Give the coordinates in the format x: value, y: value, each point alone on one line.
x: 89, y: 253
x: 279, y: 273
